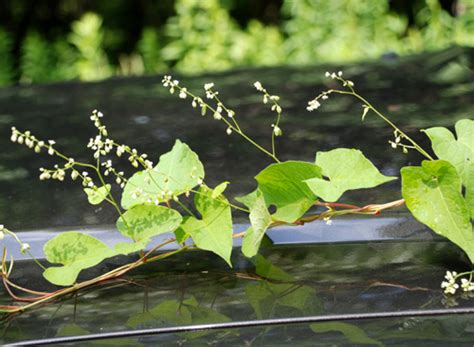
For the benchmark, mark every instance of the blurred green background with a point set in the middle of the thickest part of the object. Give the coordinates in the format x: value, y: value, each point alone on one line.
x: 56, y: 40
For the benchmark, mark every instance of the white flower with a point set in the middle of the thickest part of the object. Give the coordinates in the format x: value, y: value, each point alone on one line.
x: 229, y: 131
x: 230, y: 113
x: 277, y: 131
x: 208, y: 86
x: 24, y: 247
x: 313, y: 105
x: 182, y: 93
x: 258, y: 86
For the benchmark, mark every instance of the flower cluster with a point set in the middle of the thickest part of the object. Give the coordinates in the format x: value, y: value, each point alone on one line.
x: 338, y: 76
x: 450, y: 286
x: 275, y: 107
x: 31, y: 141
x: 397, y: 142
x: 316, y: 102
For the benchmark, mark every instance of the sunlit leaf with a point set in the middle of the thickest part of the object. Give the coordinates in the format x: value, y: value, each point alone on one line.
x: 433, y: 195
x: 260, y: 220
x: 344, y: 169
x: 219, y: 189
x: 75, y: 251
x: 214, y: 231
x: 460, y: 151
x: 282, y: 186
x: 177, y: 172
x: 95, y: 197
x: 142, y: 222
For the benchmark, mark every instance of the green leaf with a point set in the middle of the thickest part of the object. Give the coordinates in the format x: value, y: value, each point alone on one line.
x: 458, y: 152
x: 76, y: 251
x: 433, y: 195
x: 219, y: 189
x: 130, y: 247
x: 470, y: 190
x: 282, y: 186
x: 260, y: 220
x: 354, y: 334
x: 177, y: 172
x: 214, y: 231
x: 95, y: 197
x: 142, y: 222
x: 345, y: 169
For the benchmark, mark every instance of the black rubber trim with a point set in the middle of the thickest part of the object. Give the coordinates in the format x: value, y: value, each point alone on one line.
x: 244, y: 324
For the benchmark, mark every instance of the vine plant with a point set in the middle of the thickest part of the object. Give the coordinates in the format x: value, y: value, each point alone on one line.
x: 439, y: 193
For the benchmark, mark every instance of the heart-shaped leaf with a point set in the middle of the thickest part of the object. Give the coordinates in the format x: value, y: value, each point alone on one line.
x: 458, y: 152
x: 214, y: 231
x: 76, y: 251
x: 433, y: 195
x: 282, y: 186
x: 177, y: 172
x: 142, y: 222
x: 345, y: 169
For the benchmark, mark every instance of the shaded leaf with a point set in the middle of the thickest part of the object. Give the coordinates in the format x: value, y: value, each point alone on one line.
x: 354, y: 334
x: 177, y: 172
x: 76, y: 251
x: 433, y: 195
x: 345, y: 169
x: 214, y: 231
x: 282, y: 186
x: 95, y: 197
x: 142, y: 222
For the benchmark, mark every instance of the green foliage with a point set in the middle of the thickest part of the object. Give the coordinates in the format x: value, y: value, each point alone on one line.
x: 96, y: 196
x: 345, y: 169
x: 142, y: 222
x: 87, y: 36
x: 203, y: 36
x: 6, y: 67
x: 459, y: 152
x: 353, y: 334
x: 282, y: 186
x: 340, y: 30
x: 177, y: 172
x: 150, y: 51
x: 37, y: 62
x: 433, y: 195
x: 76, y: 251
x: 219, y: 189
x: 213, y: 232
x: 260, y: 220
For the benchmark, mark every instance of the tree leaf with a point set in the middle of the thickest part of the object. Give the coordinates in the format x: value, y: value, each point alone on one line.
x: 214, y: 231
x: 458, y: 152
x: 353, y: 333
x: 177, y: 172
x: 346, y: 169
x: 282, y: 186
x: 433, y: 195
x: 95, y: 197
x: 76, y: 251
x: 142, y: 222
x: 260, y: 220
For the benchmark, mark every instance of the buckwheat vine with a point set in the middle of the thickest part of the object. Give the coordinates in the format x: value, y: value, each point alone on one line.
x: 154, y: 200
